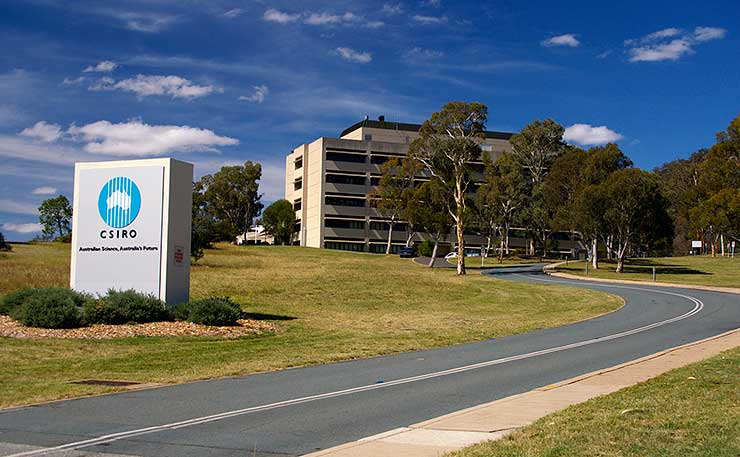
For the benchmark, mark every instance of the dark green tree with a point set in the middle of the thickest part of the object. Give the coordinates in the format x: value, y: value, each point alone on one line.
x: 394, y: 192
x: 279, y: 221
x: 537, y: 146
x: 447, y: 142
x: 232, y: 195
x: 4, y: 246
x: 55, y: 216
x: 430, y: 212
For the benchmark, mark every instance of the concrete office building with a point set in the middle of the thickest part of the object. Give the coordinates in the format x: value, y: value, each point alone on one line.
x: 329, y: 179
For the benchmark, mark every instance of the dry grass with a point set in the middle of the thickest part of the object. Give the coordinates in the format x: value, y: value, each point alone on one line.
x: 328, y: 305
x: 691, y: 411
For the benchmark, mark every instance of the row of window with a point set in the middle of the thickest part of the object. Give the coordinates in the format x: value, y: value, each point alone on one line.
x: 360, y: 225
x: 375, y: 248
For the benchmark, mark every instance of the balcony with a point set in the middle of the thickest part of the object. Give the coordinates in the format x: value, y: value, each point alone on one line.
x: 331, y: 165
x: 345, y: 188
x: 333, y: 210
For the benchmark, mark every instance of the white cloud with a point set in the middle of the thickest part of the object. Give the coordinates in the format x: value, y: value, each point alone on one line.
x: 588, y: 135
x: 354, y: 56
x: 260, y: 92
x: 44, y: 190
x: 106, y: 66
x: 134, y: 138
x: 143, y: 21
x: 433, y: 3
x: 73, y: 82
x: 334, y: 19
x: 702, y: 34
x: 11, y: 206
x: 22, y: 228
x: 673, y: 50
x: 146, y: 85
x: 392, y: 9
x: 43, y: 132
x: 670, y: 44
x: 273, y: 15
x: 567, y: 39
x: 232, y: 13
x: 429, y: 20
x: 417, y: 54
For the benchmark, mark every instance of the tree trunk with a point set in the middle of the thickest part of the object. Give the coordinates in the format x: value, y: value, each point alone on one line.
x: 531, y: 247
x: 594, y: 254
x: 409, y: 238
x: 390, y: 239
x: 434, y: 252
x: 460, y: 247
x: 722, y: 243
x: 506, y: 238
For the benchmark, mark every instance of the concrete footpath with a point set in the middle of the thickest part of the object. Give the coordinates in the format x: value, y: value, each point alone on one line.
x: 494, y: 420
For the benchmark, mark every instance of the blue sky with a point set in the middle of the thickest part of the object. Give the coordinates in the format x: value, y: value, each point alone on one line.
x: 220, y: 82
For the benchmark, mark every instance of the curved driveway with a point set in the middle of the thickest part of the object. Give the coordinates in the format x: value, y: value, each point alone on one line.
x: 297, y: 411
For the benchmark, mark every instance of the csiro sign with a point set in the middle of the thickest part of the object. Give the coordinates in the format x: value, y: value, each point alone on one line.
x: 131, y: 227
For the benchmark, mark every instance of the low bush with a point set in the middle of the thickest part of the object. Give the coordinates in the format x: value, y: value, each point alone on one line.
x: 14, y: 299
x: 47, y: 308
x: 425, y: 248
x: 209, y: 311
x: 121, y: 307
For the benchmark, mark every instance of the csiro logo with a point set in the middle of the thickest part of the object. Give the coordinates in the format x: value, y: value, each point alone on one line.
x: 119, y: 202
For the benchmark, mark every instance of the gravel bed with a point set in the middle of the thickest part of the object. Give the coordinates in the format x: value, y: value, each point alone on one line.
x: 14, y: 329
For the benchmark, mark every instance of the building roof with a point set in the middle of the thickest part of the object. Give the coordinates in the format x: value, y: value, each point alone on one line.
x: 373, y: 124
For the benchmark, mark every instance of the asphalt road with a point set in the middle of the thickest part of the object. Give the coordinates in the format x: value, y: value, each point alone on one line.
x: 293, y: 412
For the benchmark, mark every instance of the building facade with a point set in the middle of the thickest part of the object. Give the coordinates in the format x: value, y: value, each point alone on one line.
x: 329, y: 180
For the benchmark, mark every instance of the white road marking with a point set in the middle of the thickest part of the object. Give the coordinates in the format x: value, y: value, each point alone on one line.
x: 698, y: 306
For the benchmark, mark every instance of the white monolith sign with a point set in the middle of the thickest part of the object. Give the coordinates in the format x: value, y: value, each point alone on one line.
x: 131, y: 227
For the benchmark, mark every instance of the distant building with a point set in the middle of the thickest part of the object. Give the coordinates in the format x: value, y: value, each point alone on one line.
x: 256, y: 235
x: 329, y: 180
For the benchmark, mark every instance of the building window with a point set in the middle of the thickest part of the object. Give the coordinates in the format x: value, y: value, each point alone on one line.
x: 382, y: 225
x: 379, y: 160
x: 346, y: 179
x: 357, y: 247
x: 297, y: 205
x: 344, y: 223
x: 379, y: 248
x: 298, y: 184
x: 343, y: 157
x: 345, y: 201
x: 375, y: 180
x: 368, y: 137
x: 298, y: 163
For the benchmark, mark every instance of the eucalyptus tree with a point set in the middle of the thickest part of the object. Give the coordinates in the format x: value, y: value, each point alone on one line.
x: 55, y: 216
x: 394, y: 192
x: 447, y: 142
x: 233, y: 195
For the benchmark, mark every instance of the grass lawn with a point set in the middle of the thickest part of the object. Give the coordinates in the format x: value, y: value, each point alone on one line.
x: 701, y: 270
x: 691, y: 411
x: 329, y: 306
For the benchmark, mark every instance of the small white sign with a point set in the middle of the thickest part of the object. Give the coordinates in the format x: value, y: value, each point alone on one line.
x: 696, y: 244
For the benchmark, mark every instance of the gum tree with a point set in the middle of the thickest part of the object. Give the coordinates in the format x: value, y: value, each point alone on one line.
x: 447, y: 142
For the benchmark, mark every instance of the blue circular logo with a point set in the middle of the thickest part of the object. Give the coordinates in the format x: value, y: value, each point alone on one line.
x: 119, y: 202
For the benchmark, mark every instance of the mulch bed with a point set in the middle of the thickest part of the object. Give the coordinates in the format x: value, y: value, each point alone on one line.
x: 245, y: 327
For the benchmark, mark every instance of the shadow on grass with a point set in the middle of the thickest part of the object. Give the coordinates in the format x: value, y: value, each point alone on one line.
x: 644, y: 266
x: 267, y: 317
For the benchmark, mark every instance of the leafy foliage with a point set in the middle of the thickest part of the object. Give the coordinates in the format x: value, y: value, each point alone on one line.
x: 55, y: 216
x: 4, y: 245
x: 46, y: 308
x: 209, y: 311
x: 121, y: 307
x: 279, y: 221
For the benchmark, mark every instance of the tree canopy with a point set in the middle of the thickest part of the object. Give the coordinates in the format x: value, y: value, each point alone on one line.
x: 55, y: 216
x: 279, y: 221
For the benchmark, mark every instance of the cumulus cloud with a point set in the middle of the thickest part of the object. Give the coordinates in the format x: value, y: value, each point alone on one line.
x: 670, y: 44
x: 134, y: 138
x: 567, y: 39
x: 429, y: 20
x: 147, y: 85
x: 73, y: 82
x: 44, y: 190
x: 260, y: 92
x: 273, y: 15
x: 354, y: 56
x: 42, y: 131
x: 588, y: 135
x: 106, y: 66
x: 22, y: 228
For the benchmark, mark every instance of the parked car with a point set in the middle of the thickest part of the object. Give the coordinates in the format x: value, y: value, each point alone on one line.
x: 407, y: 253
x: 451, y: 255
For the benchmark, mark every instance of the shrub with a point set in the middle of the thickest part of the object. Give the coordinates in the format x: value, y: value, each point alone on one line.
x: 121, y: 307
x: 14, y: 299
x: 209, y: 311
x: 425, y: 248
x: 47, y: 308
